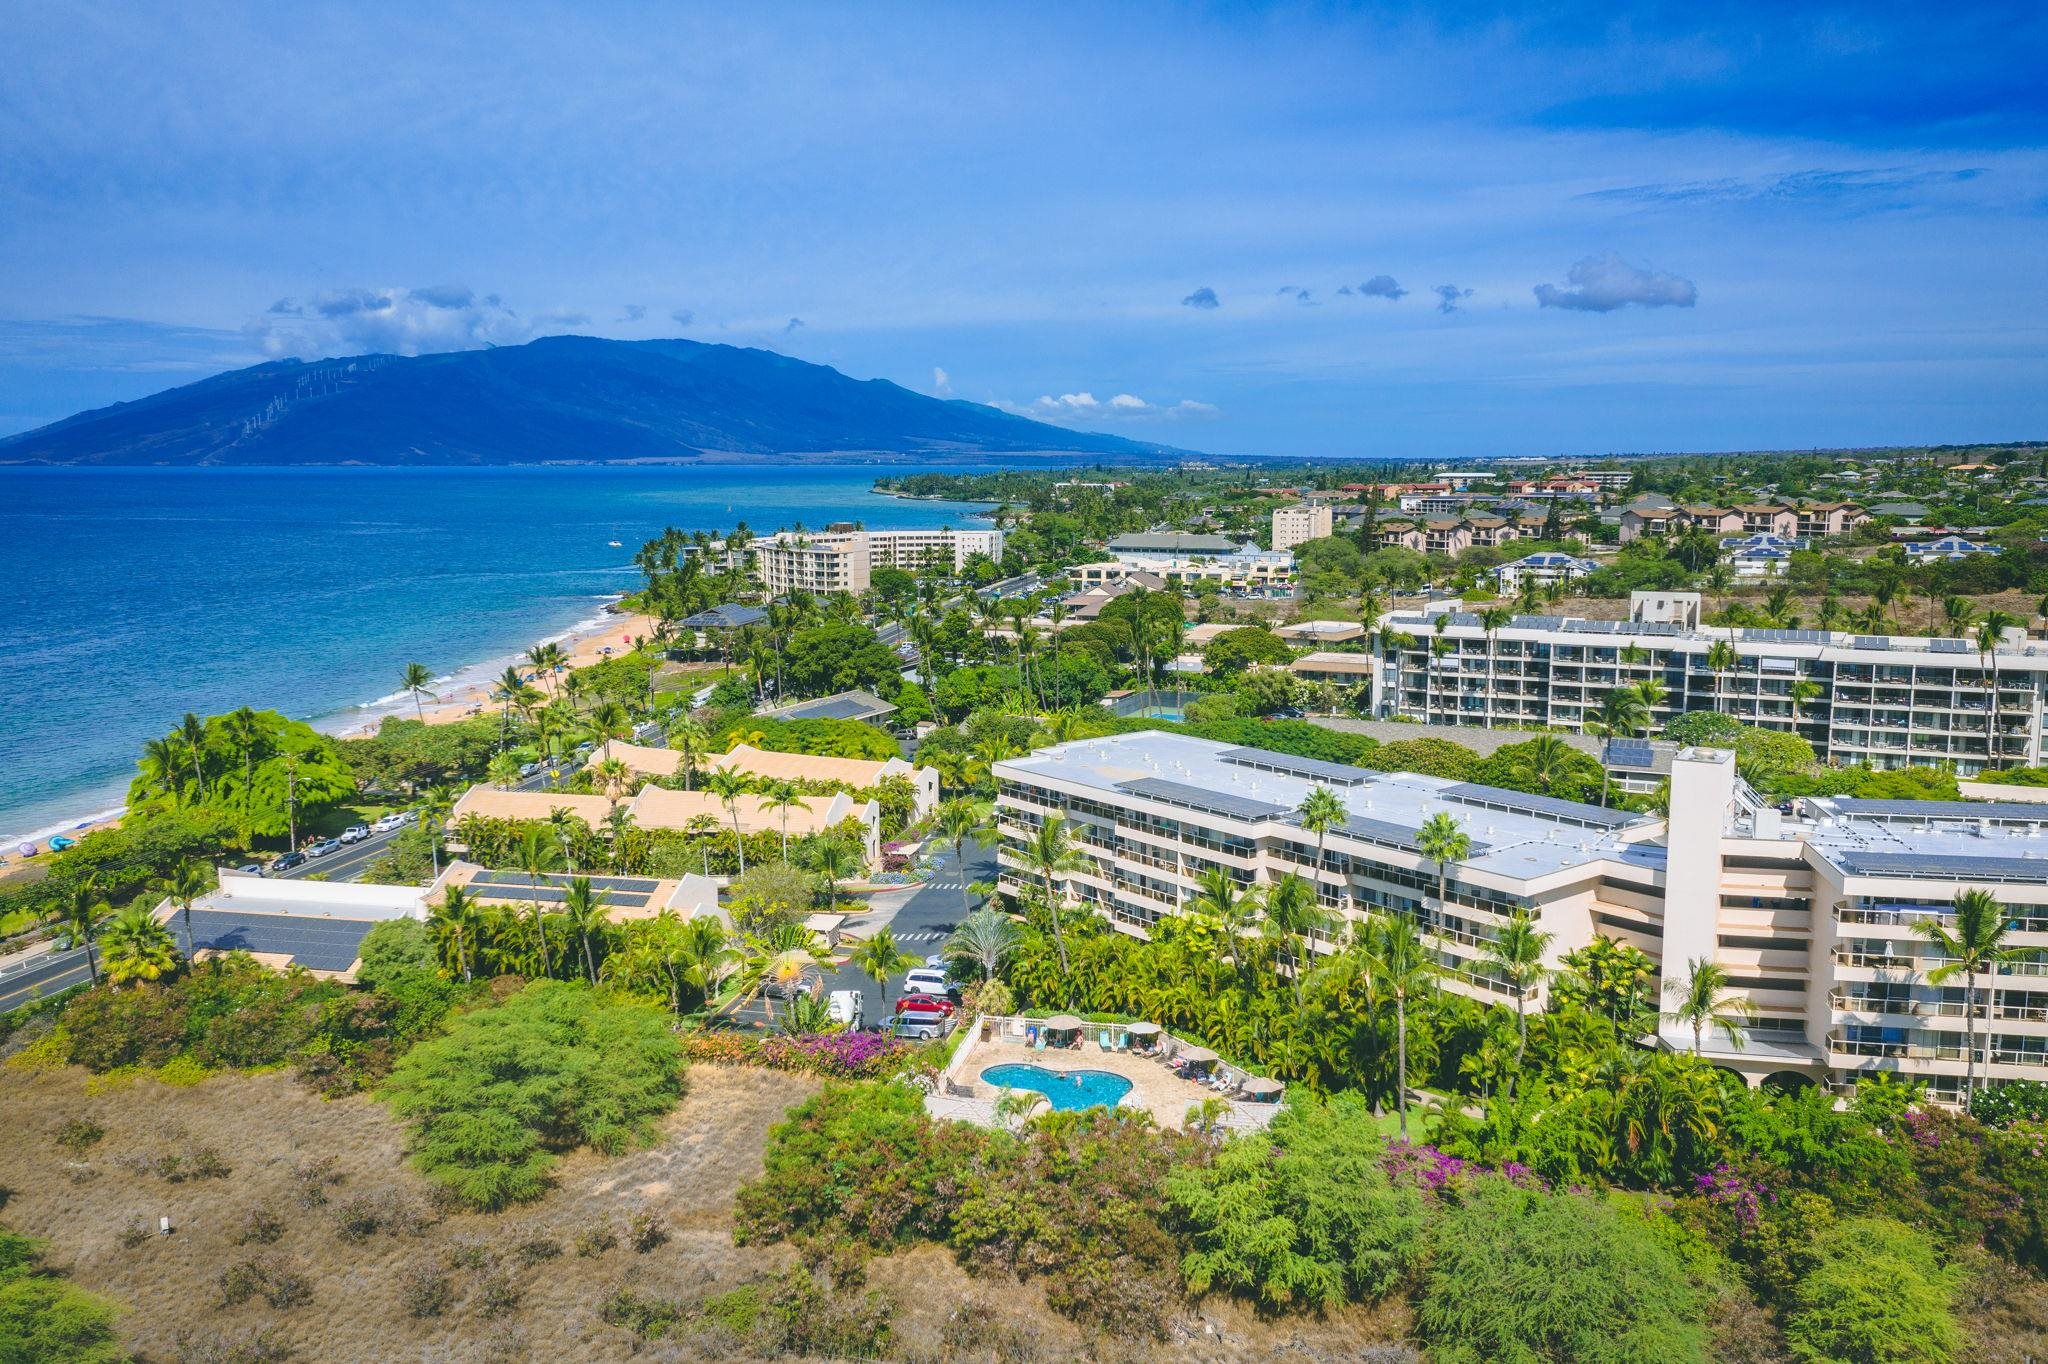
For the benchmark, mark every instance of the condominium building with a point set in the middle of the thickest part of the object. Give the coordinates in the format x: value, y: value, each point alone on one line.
x: 1816, y: 920
x: 1887, y: 700
x: 1177, y: 557
x: 1297, y: 525
x: 843, y: 560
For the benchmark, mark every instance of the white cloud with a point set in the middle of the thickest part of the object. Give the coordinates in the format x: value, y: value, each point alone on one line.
x: 413, y: 321
x: 1083, y: 404
x: 1606, y: 282
x: 942, y: 382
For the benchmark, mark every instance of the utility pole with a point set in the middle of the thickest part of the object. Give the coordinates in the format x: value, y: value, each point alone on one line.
x: 291, y: 798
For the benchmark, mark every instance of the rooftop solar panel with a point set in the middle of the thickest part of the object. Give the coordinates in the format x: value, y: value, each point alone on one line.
x: 1949, y: 646
x: 1468, y: 620
x: 1940, y: 809
x: 643, y: 885
x: 1196, y: 798
x: 1316, y: 769
x: 1545, y: 807
x: 1631, y: 753
x: 1662, y: 628
x: 1538, y: 622
x: 1878, y: 642
x: 1857, y: 863
x: 1590, y: 627
x: 318, y: 944
x: 1396, y: 835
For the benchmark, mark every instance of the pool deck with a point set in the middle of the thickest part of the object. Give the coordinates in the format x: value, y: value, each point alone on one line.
x: 1154, y: 1088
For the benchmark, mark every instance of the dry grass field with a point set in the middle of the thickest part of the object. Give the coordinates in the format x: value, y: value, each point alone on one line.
x: 316, y: 1204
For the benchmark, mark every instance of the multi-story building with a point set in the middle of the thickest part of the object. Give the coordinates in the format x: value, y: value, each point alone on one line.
x: 1889, y: 701
x: 1179, y: 557
x: 842, y: 560
x: 1298, y: 525
x: 1815, y: 920
x: 1814, y: 520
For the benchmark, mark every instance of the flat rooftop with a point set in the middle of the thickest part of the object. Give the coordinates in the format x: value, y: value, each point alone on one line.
x: 277, y: 933
x: 1960, y: 840
x: 1513, y: 834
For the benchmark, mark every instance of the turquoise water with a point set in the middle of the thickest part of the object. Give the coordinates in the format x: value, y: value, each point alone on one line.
x: 1076, y: 1089
x: 134, y: 595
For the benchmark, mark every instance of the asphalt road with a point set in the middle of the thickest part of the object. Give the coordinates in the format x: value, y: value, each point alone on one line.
x: 40, y: 976
x: 920, y: 926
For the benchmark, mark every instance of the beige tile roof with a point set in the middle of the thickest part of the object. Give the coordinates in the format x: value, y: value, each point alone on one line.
x: 654, y: 762
x: 657, y: 807
x: 493, y: 803
x: 761, y: 762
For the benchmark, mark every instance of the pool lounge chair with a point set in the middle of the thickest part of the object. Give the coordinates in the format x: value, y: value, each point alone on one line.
x: 1038, y: 1044
x: 1102, y: 1040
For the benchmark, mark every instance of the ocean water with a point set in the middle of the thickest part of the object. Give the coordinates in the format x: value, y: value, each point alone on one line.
x: 131, y: 596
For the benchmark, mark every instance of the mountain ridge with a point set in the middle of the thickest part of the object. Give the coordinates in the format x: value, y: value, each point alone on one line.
x: 558, y: 399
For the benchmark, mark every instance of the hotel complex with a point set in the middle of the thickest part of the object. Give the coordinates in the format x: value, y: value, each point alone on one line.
x: 843, y: 560
x: 1815, y: 919
x: 1886, y: 700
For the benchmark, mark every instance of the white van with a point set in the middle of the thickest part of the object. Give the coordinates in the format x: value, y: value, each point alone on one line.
x: 925, y: 981
x: 848, y: 1007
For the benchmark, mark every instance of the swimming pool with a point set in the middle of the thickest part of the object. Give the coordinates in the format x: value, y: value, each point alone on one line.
x: 1067, y: 1090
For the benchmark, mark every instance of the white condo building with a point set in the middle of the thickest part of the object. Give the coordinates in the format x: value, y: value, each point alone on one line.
x: 843, y: 561
x: 1298, y: 525
x: 1887, y: 700
x: 1816, y: 919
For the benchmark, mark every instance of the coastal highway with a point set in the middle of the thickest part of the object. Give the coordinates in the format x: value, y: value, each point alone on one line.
x: 354, y: 859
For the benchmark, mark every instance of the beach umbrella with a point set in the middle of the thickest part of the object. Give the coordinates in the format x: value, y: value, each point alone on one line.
x: 1143, y: 1029
x: 1063, y: 1023
x: 1200, y: 1055
x: 1260, y: 1085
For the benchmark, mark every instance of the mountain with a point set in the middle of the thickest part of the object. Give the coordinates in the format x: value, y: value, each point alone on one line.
x: 561, y: 398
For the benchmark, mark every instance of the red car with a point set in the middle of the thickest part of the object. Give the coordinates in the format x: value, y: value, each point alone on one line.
x: 925, y: 1004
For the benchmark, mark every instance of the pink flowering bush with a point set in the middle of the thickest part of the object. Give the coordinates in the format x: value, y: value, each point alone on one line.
x: 835, y: 1055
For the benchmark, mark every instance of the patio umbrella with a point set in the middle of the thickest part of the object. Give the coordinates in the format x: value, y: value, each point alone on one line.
x: 1259, y: 1084
x: 1142, y: 1029
x: 1192, y: 1052
x: 1064, y: 1023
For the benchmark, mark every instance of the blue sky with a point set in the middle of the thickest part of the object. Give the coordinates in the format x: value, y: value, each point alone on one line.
x: 1329, y: 230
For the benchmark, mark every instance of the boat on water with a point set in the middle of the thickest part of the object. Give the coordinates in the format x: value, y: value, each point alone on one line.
x: 615, y: 544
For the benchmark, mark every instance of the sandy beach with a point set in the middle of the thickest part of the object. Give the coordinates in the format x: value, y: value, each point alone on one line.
x: 614, y: 634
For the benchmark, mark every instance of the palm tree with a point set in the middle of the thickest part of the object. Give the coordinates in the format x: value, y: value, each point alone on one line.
x: 1543, y: 762
x: 787, y: 959
x: 691, y: 743
x: 188, y: 881
x: 564, y: 822
x: 456, y: 920
x: 1442, y: 842
x: 961, y: 821
x: 1959, y: 612
x: 835, y: 862
x: 613, y: 776
x: 618, y: 822
x: 1321, y: 811
x: 784, y: 795
x: 729, y: 785
x: 1976, y: 944
x: 1804, y: 693
x: 1516, y: 955
x: 608, y: 723
x: 79, y: 908
x: 136, y: 947
x: 245, y: 731
x: 880, y: 958
x: 538, y: 854
x: 503, y: 770
x: 1295, y: 915
x: 415, y: 680
x: 1052, y: 856
x: 1721, y: 661
x: 509, y: 689
x: 1439, y: 649
x: 1701, y: 1002
x: 192, y: 730
x: 1492, y: 620
x: 588, y: 911
x: 1402, y: 966
x: 987, y: 937
x: 1991, y: 630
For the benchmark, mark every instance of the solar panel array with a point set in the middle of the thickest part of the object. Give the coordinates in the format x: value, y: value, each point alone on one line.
x: 1940, y: 809
x: 1635, y: 753
x: 622, y: 892
x: 1468, y: 620
x: 1949, y: 646
x: 1340, y: 774
x: 1397, y: 835
x: 1879, y: 642
x: 1785, y: 636
x: 317, y: 944
x: 1538, y: 623
x: 1544, y: 807
x: 1196, y: 798
x: 1943, y: 866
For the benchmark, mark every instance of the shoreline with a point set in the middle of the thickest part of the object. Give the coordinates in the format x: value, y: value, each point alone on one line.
x: 456, y: 696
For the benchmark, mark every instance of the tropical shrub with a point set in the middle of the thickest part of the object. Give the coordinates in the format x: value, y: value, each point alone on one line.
x: 1303, y: 1214
x: 1875, y: 1292
x: 556, y: 1066
x: 836, y: 1056
x: 1518, y: 1276
x: 43, y: 1318
x: 1430, y: 757
x: 2011, y: 1101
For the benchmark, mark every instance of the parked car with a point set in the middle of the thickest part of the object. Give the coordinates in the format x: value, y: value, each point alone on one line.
x: 355, y: 833
x: 925, y: 1004
x: 848, y: 1007
x: 323, y: 847
x: 936, y: 961
x: 250, y: 869
x: 921, y: 1026
x: 394, y: 820
x: 286, y: 862
x: 926, y: 981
